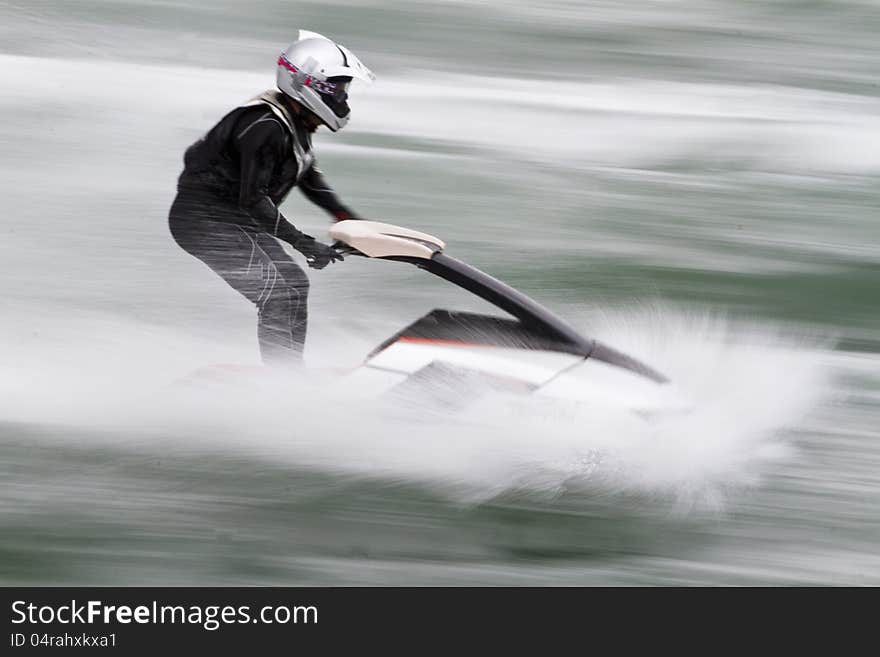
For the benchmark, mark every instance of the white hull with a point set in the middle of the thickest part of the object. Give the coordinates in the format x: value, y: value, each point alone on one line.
x: 468, y: 369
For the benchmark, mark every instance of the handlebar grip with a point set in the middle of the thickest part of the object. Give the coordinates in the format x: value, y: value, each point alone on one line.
x: 345, y: 249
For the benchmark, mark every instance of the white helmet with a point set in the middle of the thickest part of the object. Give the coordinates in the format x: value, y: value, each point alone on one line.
x: 316, y: 72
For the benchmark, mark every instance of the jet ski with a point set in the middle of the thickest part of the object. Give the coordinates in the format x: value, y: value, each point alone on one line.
x: 529, y: 351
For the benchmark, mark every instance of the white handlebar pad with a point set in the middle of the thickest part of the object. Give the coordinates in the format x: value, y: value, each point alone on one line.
x: 378, y: 240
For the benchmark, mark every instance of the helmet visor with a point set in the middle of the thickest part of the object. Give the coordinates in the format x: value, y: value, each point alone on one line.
x: 334, y: 93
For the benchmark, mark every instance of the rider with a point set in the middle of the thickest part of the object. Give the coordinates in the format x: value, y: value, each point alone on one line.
x: 226, y: 210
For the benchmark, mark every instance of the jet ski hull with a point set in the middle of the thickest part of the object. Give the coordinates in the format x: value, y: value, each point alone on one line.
x: 456, y: 357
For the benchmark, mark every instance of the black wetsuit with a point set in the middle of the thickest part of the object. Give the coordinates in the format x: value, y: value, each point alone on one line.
x: 226, y: 214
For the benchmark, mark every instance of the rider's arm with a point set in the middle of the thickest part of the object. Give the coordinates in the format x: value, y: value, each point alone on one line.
x: 316, y: 188
x: 260, y: 144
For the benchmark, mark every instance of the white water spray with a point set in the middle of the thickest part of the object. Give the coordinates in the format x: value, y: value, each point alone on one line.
x: 747, y: 386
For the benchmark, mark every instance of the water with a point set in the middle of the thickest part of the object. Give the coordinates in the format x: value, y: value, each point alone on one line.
x: 693, y: 182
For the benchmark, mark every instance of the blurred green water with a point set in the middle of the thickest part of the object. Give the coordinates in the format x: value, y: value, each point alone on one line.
x: 709, y: 228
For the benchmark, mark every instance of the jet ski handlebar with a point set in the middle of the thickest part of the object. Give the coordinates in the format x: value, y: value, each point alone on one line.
x: 373, y: 239
x: 379, y: 240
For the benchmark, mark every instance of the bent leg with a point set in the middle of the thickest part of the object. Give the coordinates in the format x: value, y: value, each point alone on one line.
x: 229, y: 251
x: 255, y: 265
x: 284, y: 309
x: 232, y: 252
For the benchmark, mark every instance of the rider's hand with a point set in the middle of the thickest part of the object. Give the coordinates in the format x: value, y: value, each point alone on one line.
x: 317, y: 254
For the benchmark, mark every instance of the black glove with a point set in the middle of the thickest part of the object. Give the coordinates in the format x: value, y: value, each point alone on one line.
x: 317, y: 254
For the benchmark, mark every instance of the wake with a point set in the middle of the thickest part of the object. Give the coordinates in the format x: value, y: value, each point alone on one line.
x: 749, y: 387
